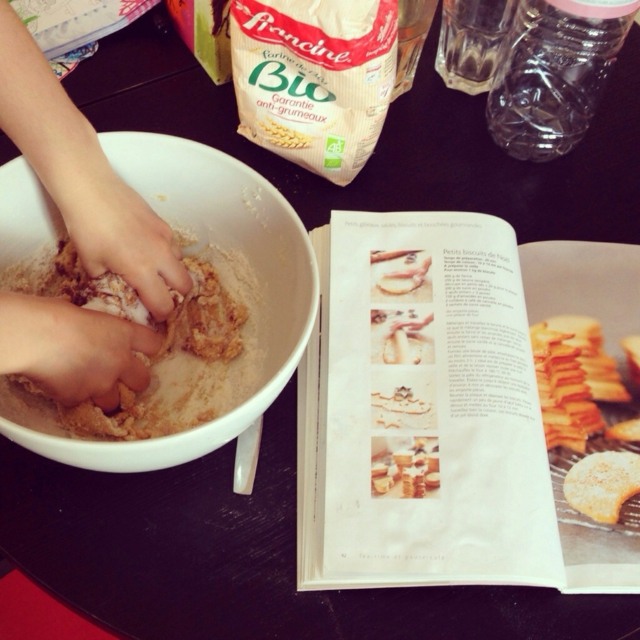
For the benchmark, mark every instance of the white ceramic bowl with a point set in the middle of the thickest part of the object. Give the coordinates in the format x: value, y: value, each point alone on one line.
x: 222, y: 201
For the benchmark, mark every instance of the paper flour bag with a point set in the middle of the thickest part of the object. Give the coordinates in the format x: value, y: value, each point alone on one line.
x: 313, y: 81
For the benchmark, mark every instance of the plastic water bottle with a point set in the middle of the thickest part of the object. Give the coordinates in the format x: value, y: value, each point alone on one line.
x: 551, y: 73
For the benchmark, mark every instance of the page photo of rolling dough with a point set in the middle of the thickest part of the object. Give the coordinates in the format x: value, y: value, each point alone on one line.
x: 401, y: 275
x: 402, y: 335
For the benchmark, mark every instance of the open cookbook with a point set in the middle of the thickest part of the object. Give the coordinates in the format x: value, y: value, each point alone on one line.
x: 449, y: 432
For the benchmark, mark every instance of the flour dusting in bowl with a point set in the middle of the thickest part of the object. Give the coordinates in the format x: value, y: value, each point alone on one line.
x: 209, y: 364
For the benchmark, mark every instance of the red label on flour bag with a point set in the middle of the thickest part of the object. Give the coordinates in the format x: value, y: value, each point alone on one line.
x: 314, y: 85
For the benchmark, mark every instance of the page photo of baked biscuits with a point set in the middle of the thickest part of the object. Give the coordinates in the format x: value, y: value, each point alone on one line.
x: 405, y: 467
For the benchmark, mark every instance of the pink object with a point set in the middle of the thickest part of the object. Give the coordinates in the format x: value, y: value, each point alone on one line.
x: 614, y: 9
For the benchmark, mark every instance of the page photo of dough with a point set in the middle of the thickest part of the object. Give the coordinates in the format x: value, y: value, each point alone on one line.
x: 403, y: 400
x: 405, y: 467
x: 402, y: 335
x: 401, y: 276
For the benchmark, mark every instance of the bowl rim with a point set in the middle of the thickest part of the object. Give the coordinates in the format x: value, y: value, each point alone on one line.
x: 260, y: 400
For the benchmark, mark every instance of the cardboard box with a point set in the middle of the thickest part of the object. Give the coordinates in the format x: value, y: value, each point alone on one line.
x: 204, y: 27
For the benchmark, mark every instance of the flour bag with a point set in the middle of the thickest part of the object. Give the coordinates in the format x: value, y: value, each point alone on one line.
x: 313, y: 80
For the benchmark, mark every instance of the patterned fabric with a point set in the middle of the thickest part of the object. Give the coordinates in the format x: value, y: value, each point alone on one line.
x: 66, y: 63
x: 62, y: 26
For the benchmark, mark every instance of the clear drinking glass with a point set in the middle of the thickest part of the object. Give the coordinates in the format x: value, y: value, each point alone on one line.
x: 470, y: 37
x: 414, y: 21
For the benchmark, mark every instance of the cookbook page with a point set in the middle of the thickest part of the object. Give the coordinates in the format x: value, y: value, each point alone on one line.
x: 435, y: 467
x: 311, y: 427
x: 593, y: 290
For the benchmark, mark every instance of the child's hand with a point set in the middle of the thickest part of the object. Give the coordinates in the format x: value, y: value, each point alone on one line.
x: 76, y: 354
x: 115, y: 230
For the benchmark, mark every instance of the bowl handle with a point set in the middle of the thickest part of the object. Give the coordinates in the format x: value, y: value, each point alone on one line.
x: 247, y: 453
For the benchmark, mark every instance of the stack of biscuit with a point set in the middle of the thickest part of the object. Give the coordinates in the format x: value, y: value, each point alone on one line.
x: 569, y: 414
x: 631, y: 347
x: 381, y: 481
x: 602, y: 375
x: 573, y: 371
x: 403, y: 459
x: 628, y: 430
x: 413, y: 485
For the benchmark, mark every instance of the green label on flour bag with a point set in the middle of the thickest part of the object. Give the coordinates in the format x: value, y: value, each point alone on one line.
x: 270, y: 76
x: 308, y: 76
x: 333, y: 151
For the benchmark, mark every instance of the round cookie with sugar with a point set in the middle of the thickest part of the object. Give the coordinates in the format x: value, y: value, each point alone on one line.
x: 600, y: 483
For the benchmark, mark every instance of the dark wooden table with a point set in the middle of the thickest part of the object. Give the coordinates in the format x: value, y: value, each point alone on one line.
x: 175, y: 554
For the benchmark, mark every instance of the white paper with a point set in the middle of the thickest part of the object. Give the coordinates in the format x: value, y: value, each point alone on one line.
x: 492, y: 518
x: 602, y: 281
